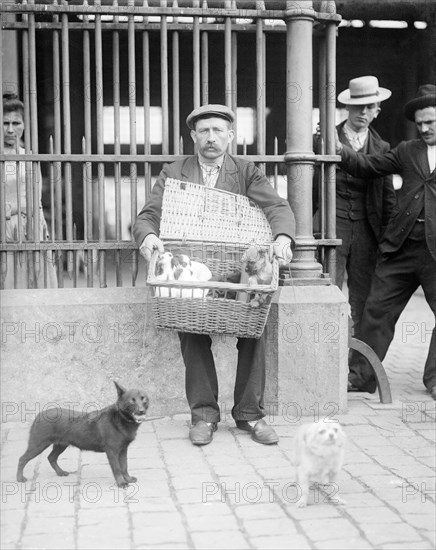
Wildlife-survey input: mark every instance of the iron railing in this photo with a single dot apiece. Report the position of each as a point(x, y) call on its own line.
point(139, 55)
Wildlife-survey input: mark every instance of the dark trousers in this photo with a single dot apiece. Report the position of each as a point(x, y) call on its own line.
point(202, 384)
point(396, 278)
point(357, 256)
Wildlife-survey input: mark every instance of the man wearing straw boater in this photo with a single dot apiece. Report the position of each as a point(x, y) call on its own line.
point(212, 132)
point(363, 206)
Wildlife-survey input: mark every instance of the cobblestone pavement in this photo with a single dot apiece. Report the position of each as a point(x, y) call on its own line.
point(236, 493)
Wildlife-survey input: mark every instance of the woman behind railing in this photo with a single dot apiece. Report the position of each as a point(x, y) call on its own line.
point(22, 272)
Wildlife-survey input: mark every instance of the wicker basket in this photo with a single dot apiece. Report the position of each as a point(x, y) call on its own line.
point(214, 227)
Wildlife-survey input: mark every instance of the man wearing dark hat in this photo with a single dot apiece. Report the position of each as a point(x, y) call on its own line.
point(363, 206)
point(212, 132)
point(408, 245)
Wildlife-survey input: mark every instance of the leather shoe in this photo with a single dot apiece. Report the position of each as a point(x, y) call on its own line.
point(260, 432)
point(201, 433)
point(370, 386)
point(433, 392)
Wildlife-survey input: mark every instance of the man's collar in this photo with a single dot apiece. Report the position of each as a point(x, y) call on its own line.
point(352, 132)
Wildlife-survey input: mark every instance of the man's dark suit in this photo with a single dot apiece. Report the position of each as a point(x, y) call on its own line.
point(363, 208)
point(408, 248)
point(244, 178)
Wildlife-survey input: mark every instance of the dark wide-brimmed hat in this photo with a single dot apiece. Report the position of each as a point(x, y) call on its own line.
point(208, 111)
point(363, 91)
point(425, 97)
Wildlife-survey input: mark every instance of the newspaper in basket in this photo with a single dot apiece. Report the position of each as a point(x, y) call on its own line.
point(214, 227)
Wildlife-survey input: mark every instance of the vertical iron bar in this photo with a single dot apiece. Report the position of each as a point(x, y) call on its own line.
point(204, 68)
point(228, 57)
point(35, 171)
point(235, 89)
point(26, 257)
point(57, 166)
point(100, 146)
point(117, 144)
point(330, 172)
point(260, 85)
point(132, 121)
point(146, 103)
point(164, 79)
point(176, 84)
point(196, 56)
point(321, 145)
point(276, 168)
point(66, 113)
point(88, 198)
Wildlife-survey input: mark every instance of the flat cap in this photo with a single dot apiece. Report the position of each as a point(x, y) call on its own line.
point(208, 111)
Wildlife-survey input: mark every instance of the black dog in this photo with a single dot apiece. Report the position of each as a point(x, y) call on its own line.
point(110, 430)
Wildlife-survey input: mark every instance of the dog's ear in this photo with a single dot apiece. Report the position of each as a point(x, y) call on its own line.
point(120, 389)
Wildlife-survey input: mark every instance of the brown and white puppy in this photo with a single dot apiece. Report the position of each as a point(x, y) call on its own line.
point(318, 457)
point(259, 268)
point(199, 270)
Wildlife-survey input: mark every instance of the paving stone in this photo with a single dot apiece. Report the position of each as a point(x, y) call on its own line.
point(93, 537)
point(207, 509)
point(263, 527)
point(260, 511)
point(216, 523)
point(379, 514)
point(356, 457)
point(356, 543)
point(191, 481)
point(40, 525)
point(322, 529)
point(409, 546)
point(318, 511)
point(214, 540)
point(377, 534)
point(207, 493)
point(48, 541)
point(296, 542)
point(165, 546)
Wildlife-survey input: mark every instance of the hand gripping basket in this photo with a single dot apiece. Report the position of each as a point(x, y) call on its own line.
point(214, 227)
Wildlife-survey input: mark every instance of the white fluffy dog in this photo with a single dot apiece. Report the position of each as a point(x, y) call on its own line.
point(319, 454)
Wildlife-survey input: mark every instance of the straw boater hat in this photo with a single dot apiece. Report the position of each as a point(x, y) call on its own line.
point(207, 111)
point(425, 97)
point(363, 91)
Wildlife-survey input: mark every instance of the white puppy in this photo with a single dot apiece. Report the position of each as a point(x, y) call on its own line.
point(319, 454)
point(164, 272)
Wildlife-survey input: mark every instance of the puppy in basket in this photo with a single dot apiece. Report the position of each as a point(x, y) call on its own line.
point(165, 271)
point(190, 270)
point(318, 457)
point(259, 270)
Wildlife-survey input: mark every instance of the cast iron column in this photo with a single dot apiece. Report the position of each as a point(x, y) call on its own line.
point(299, 155)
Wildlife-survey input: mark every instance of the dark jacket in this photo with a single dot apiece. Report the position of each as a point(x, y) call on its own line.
point(379, 195)
point(418, 192)
point(236, 176)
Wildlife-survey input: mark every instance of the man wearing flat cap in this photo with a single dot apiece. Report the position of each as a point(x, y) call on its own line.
point(363, 206)
point(408, 245)
point(212, 132)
